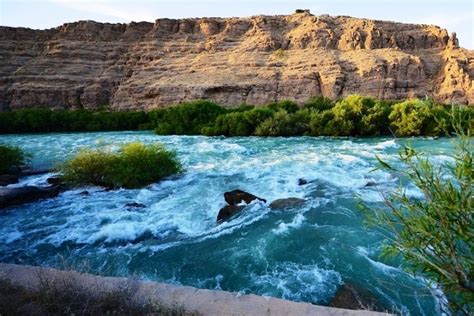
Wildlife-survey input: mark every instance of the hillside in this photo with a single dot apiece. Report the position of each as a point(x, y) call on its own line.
point(251, 60)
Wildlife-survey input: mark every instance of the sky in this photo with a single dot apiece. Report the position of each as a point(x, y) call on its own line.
point(454, 15)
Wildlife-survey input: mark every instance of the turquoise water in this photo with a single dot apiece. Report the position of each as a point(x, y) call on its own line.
point(302, 254)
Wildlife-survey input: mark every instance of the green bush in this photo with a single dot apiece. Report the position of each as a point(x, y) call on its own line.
point(11, 157)
point(186, 118)
point(435, 235)
point(411, 118)
point(285, 124)
point(238, 123)
point(46, 120)
point(352, 116)
point(323, 124)
point(287, 105)
point(242, 108)
point(319, 104)
point(133, 165)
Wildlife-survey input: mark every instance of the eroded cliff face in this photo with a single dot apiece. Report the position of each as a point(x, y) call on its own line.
point(251, 60)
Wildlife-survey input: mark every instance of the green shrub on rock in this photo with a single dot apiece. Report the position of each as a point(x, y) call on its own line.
point(11, 157)
point(133, 165)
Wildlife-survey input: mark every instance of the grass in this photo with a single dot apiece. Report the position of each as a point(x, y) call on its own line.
point(134, 165)
point(65, 296)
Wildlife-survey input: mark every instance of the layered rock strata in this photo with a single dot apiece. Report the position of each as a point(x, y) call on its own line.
point(251, 60)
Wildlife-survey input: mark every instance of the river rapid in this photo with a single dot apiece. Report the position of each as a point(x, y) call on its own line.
point(303, 254)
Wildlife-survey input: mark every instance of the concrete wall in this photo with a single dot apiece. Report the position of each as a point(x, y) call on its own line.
point(204, 302)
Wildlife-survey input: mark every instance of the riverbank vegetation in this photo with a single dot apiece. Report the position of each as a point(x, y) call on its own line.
point(11, 158)
point(45, 121)
point(133, 165)
point(435, 234)
point(352, 116)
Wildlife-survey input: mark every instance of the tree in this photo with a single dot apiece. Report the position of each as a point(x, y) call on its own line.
point(434, 235)
point(411, 118)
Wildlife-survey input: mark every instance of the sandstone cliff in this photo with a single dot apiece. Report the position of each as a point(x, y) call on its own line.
point(253, 60)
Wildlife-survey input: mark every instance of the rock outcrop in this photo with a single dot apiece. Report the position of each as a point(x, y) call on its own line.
point(236, 200)
point(26, 194)
point(236, 197)
point(235, 60)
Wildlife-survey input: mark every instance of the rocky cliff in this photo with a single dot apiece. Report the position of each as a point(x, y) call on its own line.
point(235, 60)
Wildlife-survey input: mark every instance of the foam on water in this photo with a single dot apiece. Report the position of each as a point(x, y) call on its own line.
point(298, 282)
point(284, 227)
point(302, 253)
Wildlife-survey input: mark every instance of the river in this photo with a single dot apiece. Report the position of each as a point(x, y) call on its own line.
point(301, 254)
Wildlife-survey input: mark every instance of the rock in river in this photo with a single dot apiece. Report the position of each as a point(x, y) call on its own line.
point(350, 296)
point(228, 211)
point(235, 197)
point(55, 181)
point(302, 181)
point(285, 203)
point(135, 205)
point(26, 194)
point(6, 179)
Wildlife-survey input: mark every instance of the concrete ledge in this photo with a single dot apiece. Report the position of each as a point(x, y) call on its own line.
point(193, 300)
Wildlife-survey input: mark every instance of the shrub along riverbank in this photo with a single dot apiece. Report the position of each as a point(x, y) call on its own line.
point(352, 116)
point(11, 158)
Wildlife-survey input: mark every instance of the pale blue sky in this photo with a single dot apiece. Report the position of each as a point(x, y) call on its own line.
point(454, 15)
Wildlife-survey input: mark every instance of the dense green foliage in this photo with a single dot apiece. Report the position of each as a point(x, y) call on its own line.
point(186, 118)
point(11, 157)
point(352, 116)
point(435, 235)
point(133, 165)
point(45, 120)
point(238, 123)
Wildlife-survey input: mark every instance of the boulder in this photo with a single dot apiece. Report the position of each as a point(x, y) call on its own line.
point(26, 194)
point(227, 212)
point(286, 203)
point(370, 184)
point(6, 179)
point(238, 196)
point(349, 296)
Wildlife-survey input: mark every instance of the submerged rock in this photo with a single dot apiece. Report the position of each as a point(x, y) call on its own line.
point(26, 194)
point(228, 211)
point(6, 179)
point(302, 181)
point(286, 203)
point(135, 205)
point(238, 196)
point(350, 296)
point(370, 184)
